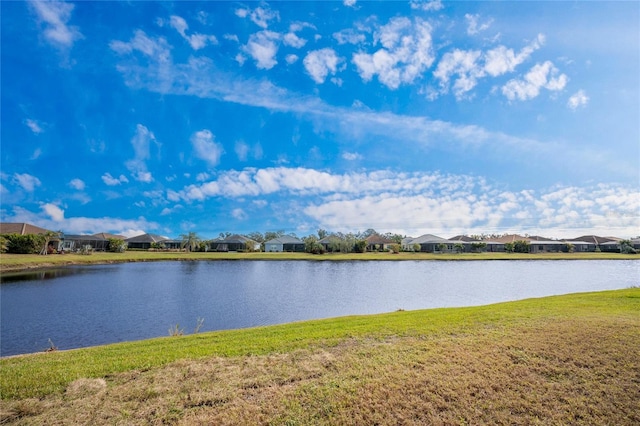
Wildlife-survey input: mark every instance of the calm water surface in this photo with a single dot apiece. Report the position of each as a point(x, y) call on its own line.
point(90, 305)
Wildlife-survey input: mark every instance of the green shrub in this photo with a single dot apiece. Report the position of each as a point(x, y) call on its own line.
point(24, 244)
point(116, 245)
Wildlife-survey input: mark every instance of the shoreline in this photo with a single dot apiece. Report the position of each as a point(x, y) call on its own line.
point(16, 263)
point(546, 341)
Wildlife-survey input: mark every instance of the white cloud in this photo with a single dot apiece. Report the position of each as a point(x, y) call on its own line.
point(291, 39)
point(197, 41)
point(141, 142)
point(427, 6)
point(349, 36)
point(349, 3)
point(156, 50)
point(544, 75)
point(261, 16)
point(239, 214)
point(232, 37)
point(206, 148)
point(462, 64)
point(55, 15)
point(578, 99)
point(319, 63)
point(415, 203)
point(405, 54)
point(351, 156)
point(34, 126)
point(112, 181)
point(26, 181)
point(36, 154)
point(199, 77)
point(473, 24)
point(291, 59)
point(54, 212)
point(466, 67)
point(167, 211)
point(77, 184)
point(263, 47)
point(242, 150)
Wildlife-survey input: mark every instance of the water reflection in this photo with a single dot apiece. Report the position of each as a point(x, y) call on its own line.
point(39, 274)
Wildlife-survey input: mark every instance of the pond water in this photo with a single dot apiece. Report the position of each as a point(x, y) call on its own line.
point(82, 306)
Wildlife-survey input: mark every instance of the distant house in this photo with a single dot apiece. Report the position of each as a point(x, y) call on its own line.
point(494, 246)
point(234, 243)
point(98, 242)
point(284, 243)
point(580, 246)
point(635, 242)
point(172, 244)
point(610, 246)
point(22, 228)
point(331, 243)
point(378, 242)
point(429, 243)
point(144, 241)
point(595, 242)
point(549, 246)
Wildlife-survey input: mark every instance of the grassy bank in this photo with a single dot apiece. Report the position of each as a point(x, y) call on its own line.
point(14, 262)
point(571, 359)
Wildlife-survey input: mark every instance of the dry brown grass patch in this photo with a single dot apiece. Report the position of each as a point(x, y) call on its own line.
point(575, 371)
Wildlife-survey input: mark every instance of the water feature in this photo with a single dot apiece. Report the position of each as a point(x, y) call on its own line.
point(81, 306)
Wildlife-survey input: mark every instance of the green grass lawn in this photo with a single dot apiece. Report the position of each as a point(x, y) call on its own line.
point(572, 359)
point(11, 262)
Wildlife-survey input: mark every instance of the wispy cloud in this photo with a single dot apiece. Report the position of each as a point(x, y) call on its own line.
point(141, 142)
point(474, 26)
point(200, 78)
point(261, 15)
point(112, 181)
point(427, 5)
point(26, 181)
point(578, 99)
point(206, 148)
point(34, 126)
point(196, 41)
point(55, 16)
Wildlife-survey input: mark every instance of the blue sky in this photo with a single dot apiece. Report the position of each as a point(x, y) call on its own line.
point(407, 117)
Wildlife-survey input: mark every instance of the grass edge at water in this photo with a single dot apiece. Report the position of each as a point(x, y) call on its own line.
point(38, 375)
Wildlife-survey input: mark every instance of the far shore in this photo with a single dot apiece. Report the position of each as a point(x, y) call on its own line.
point(25, 262)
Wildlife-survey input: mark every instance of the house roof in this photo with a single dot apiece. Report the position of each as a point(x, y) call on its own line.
point(285, 239)
point(146, 238)
point(330, 238)
point(510, 238)
point(21, 228)
point(429, 239)
point(235, 239)
point(593, 239)
point(106, 236)
point(462, 239)
point(83, 237)
point(378, 239)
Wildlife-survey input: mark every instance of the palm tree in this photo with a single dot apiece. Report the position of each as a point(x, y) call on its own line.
point(48, 236)
point(190, 241)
